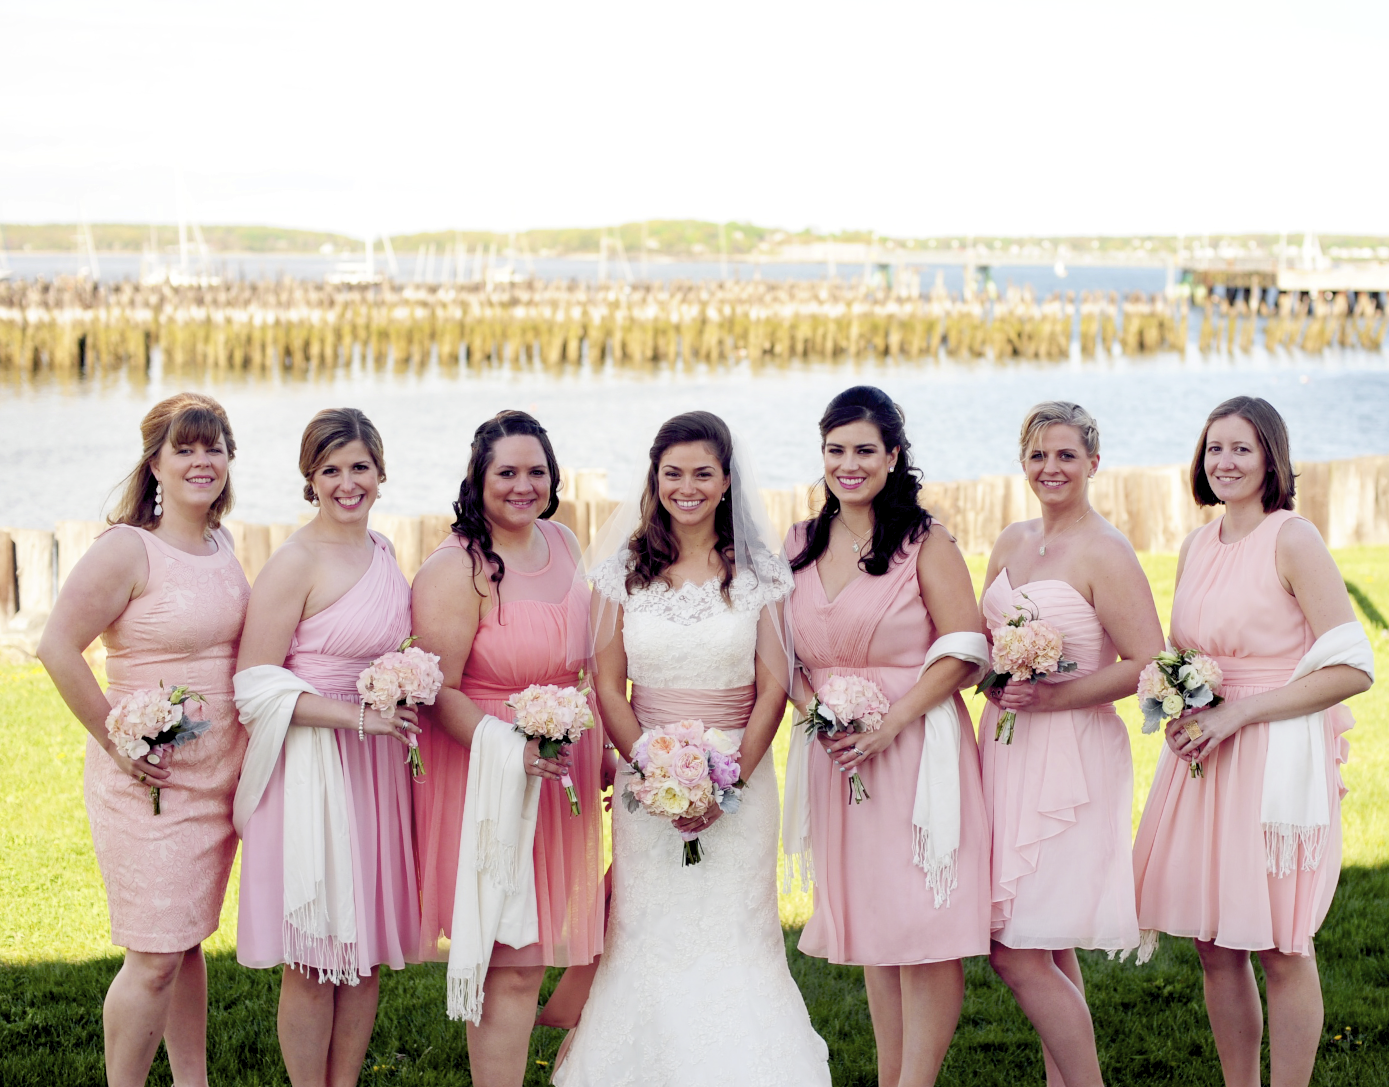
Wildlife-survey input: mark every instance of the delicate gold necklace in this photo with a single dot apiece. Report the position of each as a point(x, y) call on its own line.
point(1043, 549)
point(858, 540)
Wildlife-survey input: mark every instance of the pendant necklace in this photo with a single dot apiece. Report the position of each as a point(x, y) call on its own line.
point(1043, 549)
point(858, 540)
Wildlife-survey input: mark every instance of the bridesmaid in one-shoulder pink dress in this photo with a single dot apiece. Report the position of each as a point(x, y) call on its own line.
point(1255, 589)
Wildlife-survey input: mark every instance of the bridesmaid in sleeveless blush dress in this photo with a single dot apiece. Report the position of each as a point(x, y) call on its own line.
point(167, 596)
point(876, 584)
point(499, 602)
point(1060, 794)
point(328, 603)
point(1256, 590)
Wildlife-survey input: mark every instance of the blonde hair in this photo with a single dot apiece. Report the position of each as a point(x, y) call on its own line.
point(1063, 412)
point(329, 431)
point(182, 419)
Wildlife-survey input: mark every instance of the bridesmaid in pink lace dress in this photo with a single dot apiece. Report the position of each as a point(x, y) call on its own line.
point(1255, 589)
point(497, 602)
point(1060, 795)
point(328, 602)
point(166, 594)
point(877, 582)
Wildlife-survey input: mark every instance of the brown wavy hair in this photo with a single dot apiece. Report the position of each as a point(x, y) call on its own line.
point(329, 431)
point(653, 546)
point(181, 419)
point(1280, 481)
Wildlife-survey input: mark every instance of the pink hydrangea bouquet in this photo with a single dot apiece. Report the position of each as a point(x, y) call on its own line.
point(558, 716)
point(407, 677)
point(143, 723)
point(847, 704)
point(1176, 681)
point(1025, 648)
point(682, 770)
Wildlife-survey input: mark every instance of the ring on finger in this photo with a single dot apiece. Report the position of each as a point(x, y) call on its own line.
point(142, 779)
point(1193, 730)
point(535, 761)
point(858, 751)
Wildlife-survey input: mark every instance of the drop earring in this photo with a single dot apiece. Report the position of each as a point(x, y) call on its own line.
point(158, 499)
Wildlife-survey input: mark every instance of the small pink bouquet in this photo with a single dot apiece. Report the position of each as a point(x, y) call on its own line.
point(682, 770)
point(847, 704)
point(1176, 681)
point(407, 677)
point(558, 716)
point(143, 723)
point(1025, 648)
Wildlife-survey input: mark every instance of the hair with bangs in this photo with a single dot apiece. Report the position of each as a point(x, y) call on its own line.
point(1280, 481)
point(185, 418)
point(329, 431)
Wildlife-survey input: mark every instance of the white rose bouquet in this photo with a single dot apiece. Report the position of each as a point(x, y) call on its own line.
point(682, 770)
point(1177, 681)
point(407, 677)
point(141, 724)
point(847, 704)
point(558, 716)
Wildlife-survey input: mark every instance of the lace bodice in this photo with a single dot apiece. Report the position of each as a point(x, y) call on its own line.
point(690, 637)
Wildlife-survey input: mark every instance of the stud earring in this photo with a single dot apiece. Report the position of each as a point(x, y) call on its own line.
point(314, 500)
point(158, 499)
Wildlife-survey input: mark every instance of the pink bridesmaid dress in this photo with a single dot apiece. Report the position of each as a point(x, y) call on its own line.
point(329, 650)
point(1199, 855)
point(523, 640)
point(872, 904)
point(166, 875)
point(1060, 796)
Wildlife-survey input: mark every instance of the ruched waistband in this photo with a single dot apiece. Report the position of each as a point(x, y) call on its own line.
point(1255, 671)
point(724, 709)
point(495, 692)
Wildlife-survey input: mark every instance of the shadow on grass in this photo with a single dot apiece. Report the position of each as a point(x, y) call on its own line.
point(1150, 1022)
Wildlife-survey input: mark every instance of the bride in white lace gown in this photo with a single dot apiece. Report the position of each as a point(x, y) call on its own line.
point(693, 987)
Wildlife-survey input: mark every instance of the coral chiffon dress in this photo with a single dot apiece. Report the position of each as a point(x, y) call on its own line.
point(525, 639)
point(873, 906)
point(1198, 859)
point(1060, 796)
point(329, 650)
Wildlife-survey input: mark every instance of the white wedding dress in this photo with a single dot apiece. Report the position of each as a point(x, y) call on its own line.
point(693, 987)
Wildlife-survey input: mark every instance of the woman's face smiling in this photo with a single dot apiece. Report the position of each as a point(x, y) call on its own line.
point(857, 462)
point(191, 474)
point(690, 483)
point(517, 486)
point(1235, 462)
point(347, 483)
point(1058, 466)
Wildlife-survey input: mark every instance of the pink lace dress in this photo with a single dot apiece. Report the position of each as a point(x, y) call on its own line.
point(166, 875)
point(872, 904)
point(1060, 796)
point(1199, 854)
point(522, 641)
point(330, 650)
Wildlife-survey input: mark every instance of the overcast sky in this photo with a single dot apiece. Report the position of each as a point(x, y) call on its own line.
point(911, 118)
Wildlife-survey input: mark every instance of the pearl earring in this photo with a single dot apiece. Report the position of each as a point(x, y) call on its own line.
point(158, 499)
point(314, 500)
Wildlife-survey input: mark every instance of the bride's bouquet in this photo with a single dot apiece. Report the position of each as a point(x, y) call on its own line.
point(847, 704)
point(142, 723)
point(558, 716)
point(1177, 681)
point(682, 770)
point(407, 677)
point(1025, 648)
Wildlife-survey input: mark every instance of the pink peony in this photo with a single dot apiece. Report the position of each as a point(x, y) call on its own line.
point(689, 767)
point(662, 749)
point(687, 732)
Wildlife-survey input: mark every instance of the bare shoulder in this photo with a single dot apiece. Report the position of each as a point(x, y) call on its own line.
point(939, 551)
point(1299, 539)
point(292, 563)
point(1111, 550)
point(939, 537)
point(449, 570)
point(118, 554)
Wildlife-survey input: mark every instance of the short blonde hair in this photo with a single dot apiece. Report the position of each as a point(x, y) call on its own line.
point(329, 431)
point(1053, 412)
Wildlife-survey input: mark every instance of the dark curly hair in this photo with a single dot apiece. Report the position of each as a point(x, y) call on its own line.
point(898, 518)
point(470, 521)
point(653, 546)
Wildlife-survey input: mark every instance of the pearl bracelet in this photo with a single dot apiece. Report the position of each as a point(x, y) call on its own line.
point(362, 723)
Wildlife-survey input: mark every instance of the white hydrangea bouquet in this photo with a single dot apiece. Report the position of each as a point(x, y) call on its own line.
point(847, 704)
point(143, 723)
point(1178, 680)
point(1025, 648)
point(557, 716)
point(407, 677)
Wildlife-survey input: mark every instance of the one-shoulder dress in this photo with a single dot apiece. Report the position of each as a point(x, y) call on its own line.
point(873, 906)
point(1199, 860)
point(1060, 796)
point(166, 875)
point(523, 640)
point(329, 650)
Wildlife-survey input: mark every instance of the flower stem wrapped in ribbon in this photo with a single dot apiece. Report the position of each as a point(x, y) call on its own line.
point(1176, 681)
point(683, 770)
point(847, 704)
point(142, 723)
point(407, 677)
point(557, 716)
point(1025, 649)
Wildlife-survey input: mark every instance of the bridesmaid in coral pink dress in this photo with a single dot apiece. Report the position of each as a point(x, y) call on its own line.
point(876, 584)
point(329, 602)
point(1256, 590)
point(497, 601)
point(1060, 795)
point(167, 597)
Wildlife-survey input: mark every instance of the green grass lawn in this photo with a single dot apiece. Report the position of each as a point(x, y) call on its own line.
point(56, 959)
